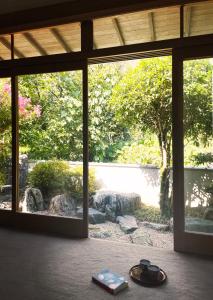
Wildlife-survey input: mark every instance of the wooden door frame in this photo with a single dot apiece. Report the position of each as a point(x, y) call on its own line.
point(185, 241)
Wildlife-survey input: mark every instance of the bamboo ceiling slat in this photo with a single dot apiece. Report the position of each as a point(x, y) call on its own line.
point(201, 19)
point(136, 27)
point(71, 34)
point(5, 53)
point(201, 5)
point(45, 39)
point(164, 10)
point(23, 45)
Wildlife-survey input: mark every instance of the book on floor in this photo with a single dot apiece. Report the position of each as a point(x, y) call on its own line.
point(110, 281)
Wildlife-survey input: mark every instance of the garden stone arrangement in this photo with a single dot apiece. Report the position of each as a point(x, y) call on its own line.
point(5, 193)
point(33, 200)
point(106, 206)
point(115, 204)
point(111, 216)
point(63, 205)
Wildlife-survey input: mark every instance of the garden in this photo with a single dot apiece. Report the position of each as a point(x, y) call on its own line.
point(130, 123)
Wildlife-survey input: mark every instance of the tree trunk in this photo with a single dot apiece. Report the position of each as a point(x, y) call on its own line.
point(165, 198)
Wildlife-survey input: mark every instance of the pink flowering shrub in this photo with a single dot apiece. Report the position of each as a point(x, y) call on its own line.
point(26, 109)
point(27, 113)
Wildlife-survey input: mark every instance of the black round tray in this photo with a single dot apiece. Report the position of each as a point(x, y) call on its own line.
point(136, 274)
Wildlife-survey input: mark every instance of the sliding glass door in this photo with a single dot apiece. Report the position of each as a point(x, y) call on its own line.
point(193, 150)
point(44, 149)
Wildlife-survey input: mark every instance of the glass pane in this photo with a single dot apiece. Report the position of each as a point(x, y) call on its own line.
point(198, 145)
point(46, 41)
point(51, 147)
point(198, 18)
point(5, 144)
point(139, 27)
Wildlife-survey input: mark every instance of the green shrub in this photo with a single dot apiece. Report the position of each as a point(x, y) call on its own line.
point(54, 177)
point(150, 214)
point(74, 181)
point(4, 164)
point(2, 179)
point(49, 177)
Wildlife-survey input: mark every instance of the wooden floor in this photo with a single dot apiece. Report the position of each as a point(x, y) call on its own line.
point(38, 267)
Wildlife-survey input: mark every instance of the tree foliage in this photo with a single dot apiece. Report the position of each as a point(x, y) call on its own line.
point(58, 134)
point(58, 131)
point(143, 99)
point(27, 113)
point(198, 90)
point(106, 134)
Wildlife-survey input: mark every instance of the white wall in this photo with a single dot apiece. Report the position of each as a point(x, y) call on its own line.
point(145, 181)
point(130, 179)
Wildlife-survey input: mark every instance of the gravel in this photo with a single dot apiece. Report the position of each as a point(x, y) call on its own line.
point(143, 235)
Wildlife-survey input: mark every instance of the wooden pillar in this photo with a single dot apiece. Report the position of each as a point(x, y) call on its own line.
point(86, 47)
point(177, 147)
point(15, 146)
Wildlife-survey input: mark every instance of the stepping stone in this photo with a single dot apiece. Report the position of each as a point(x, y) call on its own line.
point(127, 223)
point(95, 216)
point(156, 226)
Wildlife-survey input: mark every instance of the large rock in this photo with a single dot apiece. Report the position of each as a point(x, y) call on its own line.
point(128, 224)
point(33, 200)
point(5, 193)
point(23, 170)
point(6, 189)
point(156, 226)
point(6, 197)
point(63, 205)
point(95, 216)
point(208, 214)
point(115, 204)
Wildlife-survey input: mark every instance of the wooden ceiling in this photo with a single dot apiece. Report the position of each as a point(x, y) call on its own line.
point(45, 41)
point(126, 29)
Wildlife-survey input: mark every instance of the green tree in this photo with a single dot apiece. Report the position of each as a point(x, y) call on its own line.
point(106, 134)
point(143, 99)
point(58, 133)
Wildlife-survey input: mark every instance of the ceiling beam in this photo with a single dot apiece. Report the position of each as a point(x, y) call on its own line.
point(188, 20)
point(7, 44)
point(61, 40)
point(80, 10)
point(34, 43)
point(151, 26)
point(118, 31)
